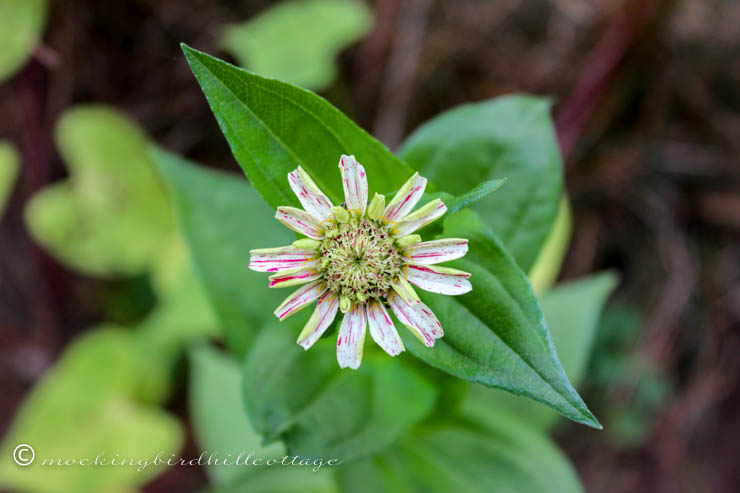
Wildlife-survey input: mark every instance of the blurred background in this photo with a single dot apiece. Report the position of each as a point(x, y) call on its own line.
point(646, 102)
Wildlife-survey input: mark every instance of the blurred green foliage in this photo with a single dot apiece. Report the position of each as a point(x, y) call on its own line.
point(297, 40)
point(21, 22)
point(9, 163)
point(112, 215)
point(217, 411)
point(490, 451)
point(631, 388)
point(99, 398)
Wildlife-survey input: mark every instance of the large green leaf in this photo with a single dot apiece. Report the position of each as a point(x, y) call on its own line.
point(509, 137)
point(222, 218)
point(504, 456)
point(112, 215)
point(322, 411)
point(496, 335)
point(220, 422)
point(272, 127)
point(297, 40)
point(8, 171)
point(21, 22)
point(572, 311)
point(93, 401)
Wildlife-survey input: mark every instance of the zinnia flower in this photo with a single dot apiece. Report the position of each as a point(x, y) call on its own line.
point(357, 258)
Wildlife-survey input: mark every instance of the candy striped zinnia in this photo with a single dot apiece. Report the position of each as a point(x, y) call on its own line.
point(359, 258)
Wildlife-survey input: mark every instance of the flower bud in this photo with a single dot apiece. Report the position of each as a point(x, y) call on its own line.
point(306, 244)
point(377, 207)
point(340, 214)
point(407, 241)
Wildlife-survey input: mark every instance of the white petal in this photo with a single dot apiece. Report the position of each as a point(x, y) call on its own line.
point(281, 258)
point(430, 212)
point(440, 280)
point(293, 277)
point(437, 251)
point(382, 330)
point(354, 181)
point(418, 318)
point(351, 340)
point(299, 299)
point(312, 198)
point(300, 221)
point(321, 319)
point(406, 198)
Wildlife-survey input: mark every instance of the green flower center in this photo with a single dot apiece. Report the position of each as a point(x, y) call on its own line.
point(360, 259)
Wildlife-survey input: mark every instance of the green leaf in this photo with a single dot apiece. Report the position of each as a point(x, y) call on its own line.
point(322, 411)
point(112, 215)
point(272, 127)
point(475, 195)
point(92, 401)
point(509, 136)
point(496, 335)
point(572, 311)
point(222, 218)
point(506, 456)
point(455, 203)
point(279, 479)
point(220, 422)
point(21, 22)
point(183, 314)
point(8, 171)
point(296, 41)
point(545, 270)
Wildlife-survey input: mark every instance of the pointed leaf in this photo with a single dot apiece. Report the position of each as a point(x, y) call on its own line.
point(272, 127)
point(496, 335)
point(572, 311)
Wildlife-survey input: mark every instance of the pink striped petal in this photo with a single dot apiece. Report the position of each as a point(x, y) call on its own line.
point(311, 197)
point(406, 198)
point(418, 318)
point(321, 319)
point(354, 181)
point(351, 340)
point(382, 330)
point(299, 299)
point(281, 258)
point(425, 215)
point(437, 251)
point(300, 222)
point(293, 277)
point(440, 280)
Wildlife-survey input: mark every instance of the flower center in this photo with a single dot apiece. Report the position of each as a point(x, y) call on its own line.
point(360, 260)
